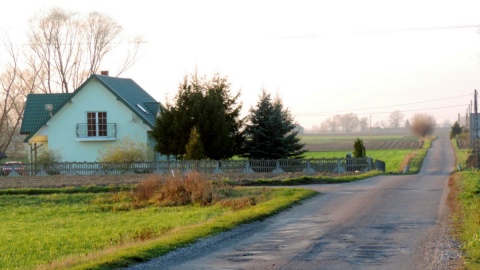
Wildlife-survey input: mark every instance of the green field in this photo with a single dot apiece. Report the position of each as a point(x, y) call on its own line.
point(85, 230)
point(315, 139)
point(392, 158)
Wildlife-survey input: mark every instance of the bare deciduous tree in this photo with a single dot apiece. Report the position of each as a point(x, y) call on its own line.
point(349, 122)
point(395, 119)
point(12, 100)
point(64, 49)
point(364, 124)
point(67, 47)
point(422, 125)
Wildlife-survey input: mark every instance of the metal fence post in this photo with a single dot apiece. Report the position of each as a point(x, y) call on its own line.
point(277, 167)
point(217, 167)
point(309, 169)
point(247, 168)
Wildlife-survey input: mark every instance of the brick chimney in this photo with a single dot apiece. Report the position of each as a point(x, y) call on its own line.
point(104, 72)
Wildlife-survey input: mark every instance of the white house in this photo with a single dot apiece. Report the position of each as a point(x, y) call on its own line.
point(98, 114)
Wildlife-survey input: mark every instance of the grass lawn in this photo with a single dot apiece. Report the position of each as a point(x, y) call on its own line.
point(90, 231)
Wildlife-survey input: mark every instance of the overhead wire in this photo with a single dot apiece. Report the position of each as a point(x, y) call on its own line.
point(387, 31)
point(388, 106)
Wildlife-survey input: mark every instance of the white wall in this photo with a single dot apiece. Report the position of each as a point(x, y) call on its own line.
point(92, 98)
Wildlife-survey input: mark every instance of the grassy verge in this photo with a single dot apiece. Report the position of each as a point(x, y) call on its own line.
point(307, 180)
point(465, 193)
point(460, 154)
point(415, 159)
point(62, 229)
point(467, 215)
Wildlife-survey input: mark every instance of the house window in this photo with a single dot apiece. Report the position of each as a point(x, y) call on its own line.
point(96, 124)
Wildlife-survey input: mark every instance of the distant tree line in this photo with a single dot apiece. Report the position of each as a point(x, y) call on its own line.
point(351, 123)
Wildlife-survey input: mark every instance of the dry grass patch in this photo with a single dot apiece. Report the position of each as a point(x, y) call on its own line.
point(181, 190)
point(166, 190)
point(407, 159)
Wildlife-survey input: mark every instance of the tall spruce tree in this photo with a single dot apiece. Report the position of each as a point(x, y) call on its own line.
point(270, 132)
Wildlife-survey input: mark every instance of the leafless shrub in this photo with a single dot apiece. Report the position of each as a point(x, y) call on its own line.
point(422, 125)
point(174, 190)
point(407, 159)
point(146, 189)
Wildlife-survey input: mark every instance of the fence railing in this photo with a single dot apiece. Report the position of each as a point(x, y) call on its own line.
point(306, 166)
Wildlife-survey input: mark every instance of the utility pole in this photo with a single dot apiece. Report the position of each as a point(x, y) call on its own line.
point(475, 130)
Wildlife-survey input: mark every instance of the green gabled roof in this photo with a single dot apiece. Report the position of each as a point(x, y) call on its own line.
point(36, 115)
point(133, 96)
point(153, 107)
point(126, 90)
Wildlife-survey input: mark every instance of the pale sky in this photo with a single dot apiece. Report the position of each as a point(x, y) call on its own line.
point(321, 57)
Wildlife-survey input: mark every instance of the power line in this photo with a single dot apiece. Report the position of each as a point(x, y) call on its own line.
point(387, 31)
point(372, 113)
point(381, 107)
point(453, 27)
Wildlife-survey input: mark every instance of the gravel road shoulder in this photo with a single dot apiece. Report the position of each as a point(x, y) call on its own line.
point(441, 250)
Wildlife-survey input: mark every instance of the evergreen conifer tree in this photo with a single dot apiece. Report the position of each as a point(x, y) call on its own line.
point(270, 133)
point(194, 148)
point(456, 129)
point(359, 149)
point(207, 105)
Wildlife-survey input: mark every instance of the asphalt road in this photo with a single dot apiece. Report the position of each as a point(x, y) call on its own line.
point(384, 222)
